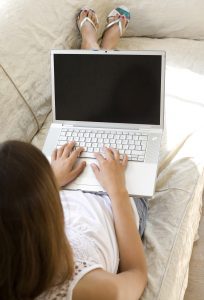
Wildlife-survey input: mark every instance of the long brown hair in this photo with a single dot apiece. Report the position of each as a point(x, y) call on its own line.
point(34, 253)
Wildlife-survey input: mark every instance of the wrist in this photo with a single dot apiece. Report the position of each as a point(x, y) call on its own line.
point(119, 194)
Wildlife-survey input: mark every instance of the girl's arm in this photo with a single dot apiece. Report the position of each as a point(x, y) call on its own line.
point(110, 174)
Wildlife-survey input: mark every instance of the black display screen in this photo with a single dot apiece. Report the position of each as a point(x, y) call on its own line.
point(114, 88)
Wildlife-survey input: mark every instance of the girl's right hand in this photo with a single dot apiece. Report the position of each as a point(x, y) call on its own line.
point(111, 171)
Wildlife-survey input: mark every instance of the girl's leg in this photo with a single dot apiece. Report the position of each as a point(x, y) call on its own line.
point(142, 209)
point(111, 36)
point(88, 32)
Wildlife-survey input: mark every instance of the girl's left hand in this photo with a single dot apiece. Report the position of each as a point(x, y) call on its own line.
point(63, 162)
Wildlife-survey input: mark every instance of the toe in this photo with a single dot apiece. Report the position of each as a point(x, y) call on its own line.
point(124, 21)
point(83, 15)
point(113, 18)
point(92, 16)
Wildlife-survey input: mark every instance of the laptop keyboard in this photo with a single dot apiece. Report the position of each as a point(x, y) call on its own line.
point(134, 144)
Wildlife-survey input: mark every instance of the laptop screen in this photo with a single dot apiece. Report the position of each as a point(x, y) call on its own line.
point(108, 88)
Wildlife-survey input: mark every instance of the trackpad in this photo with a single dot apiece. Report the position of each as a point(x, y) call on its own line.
point(87, 177)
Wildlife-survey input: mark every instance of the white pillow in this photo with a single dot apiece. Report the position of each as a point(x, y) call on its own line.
point(166, 18)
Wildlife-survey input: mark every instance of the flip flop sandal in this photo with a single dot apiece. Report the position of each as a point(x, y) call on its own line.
point(86, 19)
point(122, 11)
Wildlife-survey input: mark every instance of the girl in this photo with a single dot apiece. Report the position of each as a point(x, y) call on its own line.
point(49, 254)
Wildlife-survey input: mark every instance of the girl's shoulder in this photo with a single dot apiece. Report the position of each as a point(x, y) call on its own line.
point(65, 290)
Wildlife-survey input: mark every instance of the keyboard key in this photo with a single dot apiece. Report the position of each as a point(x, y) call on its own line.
point(144, 143)
point(60, 143)
point(135, 137)
point(70, 139)
point(124, 142)
point(135, 152)
point(134, 157)
point(143, 138)
point(122, 137)
point(127, 152)
point(118, 142)
point(113, 145)
point(62, 138)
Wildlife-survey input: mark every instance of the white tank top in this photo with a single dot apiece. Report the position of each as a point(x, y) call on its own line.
point(89, 226)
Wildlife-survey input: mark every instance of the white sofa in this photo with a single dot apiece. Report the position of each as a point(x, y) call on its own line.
point(29, 29)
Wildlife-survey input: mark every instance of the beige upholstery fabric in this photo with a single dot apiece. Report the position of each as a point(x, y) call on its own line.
point(17, 120)
point(39, 138)
point(173, 220)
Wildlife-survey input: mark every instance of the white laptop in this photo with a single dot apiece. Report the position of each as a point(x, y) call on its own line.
point(111, 98)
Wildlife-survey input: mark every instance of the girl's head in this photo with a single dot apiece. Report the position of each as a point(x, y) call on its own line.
point(34, 251)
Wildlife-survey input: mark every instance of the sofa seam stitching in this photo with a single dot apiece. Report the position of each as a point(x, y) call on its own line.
point(21, 95)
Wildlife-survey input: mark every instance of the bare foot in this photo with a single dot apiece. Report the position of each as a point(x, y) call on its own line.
point(112, 35)
point(88, 32)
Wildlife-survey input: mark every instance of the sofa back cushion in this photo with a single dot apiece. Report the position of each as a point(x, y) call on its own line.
point(169, 18)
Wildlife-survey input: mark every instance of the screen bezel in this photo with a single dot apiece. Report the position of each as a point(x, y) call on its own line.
point(106, 124)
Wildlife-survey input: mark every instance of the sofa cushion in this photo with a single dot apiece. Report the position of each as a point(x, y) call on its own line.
point(169, 18)
point(17, 120)
point(28, 31)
